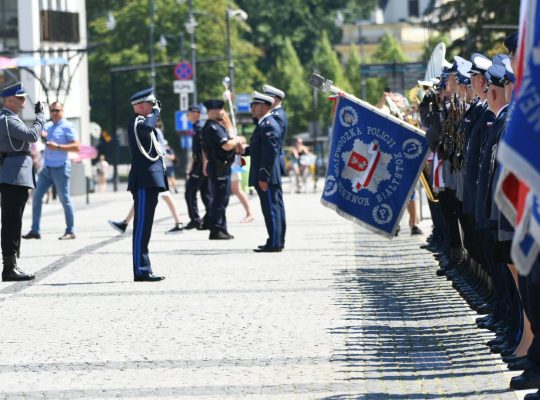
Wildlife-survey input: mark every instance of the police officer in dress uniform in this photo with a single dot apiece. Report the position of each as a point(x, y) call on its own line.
point(281, 118)
point(265, 172)
point(196, 180)
point(16, 174)
point(146, 178)
point(218, 147)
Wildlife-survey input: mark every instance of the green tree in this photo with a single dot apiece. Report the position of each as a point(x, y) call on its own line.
point(389, 50)
point(327, 64)
point(290, 76)
point(302, 21)
point(433, 41)
point(352, 71)
point(473, 16)
point(128, 45)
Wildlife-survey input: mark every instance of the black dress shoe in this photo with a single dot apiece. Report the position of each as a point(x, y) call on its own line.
point(219, 235)
point(193, 225)
point(529, 379)
point(15, 275)
point(532, 396)
point(32, 235)
point(519, 365)
point(268, 249)
point(148, 278)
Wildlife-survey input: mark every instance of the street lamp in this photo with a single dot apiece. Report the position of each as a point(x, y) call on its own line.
point(152, 63)
point(190, 28)
point(228, 15)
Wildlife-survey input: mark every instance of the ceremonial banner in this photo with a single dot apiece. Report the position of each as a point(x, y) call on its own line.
point(375, 162)
point(518, 150)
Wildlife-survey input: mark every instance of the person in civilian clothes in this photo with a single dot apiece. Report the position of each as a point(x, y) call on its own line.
point(16, 175)
point(146, 178)
point(264, 172)
point(61, 139)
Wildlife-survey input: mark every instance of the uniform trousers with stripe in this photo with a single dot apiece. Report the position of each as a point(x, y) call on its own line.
point(273, 217)
point(145, 200)
point(13, 201)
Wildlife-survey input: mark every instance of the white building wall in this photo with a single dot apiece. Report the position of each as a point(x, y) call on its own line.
point(76, 102)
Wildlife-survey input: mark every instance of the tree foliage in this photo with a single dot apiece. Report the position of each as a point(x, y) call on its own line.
point(128, 45)
point(290, 76)
point(473, 16)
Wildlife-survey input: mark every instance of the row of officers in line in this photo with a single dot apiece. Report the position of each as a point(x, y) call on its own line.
point(464, 115)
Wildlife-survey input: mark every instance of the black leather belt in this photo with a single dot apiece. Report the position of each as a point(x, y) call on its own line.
point(16, 153)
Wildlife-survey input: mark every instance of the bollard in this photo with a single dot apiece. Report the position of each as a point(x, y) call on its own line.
point(87, 190)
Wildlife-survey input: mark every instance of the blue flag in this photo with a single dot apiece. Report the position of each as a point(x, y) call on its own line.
point(375, 162)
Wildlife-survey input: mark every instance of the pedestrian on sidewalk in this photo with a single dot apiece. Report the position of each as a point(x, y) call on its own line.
point(265, 171)
point(16, 175)
point(146, 178)
point(236, 185)
point(61, 139)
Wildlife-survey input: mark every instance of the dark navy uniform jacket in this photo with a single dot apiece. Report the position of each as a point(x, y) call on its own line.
point(281, 118)
point(264, 149)
point(219, 160)
point(483, 220)
point(472, 158)
point(145, 173)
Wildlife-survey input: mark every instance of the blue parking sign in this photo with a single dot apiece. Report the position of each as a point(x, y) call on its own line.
point(182, 123)
point(243, 101)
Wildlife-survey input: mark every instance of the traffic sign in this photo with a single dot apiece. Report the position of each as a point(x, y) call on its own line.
point(243, 101)
point(182, 123)
point(183, 87)
point(183, 71)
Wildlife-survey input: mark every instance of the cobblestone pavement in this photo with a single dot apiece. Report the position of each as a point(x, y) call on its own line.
point(341, 314)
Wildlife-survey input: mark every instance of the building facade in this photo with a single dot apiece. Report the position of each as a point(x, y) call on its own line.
point(46, 39)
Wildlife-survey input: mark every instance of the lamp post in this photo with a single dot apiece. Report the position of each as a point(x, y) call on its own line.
point(190, 28)
point(228, 15)
point(152, 61)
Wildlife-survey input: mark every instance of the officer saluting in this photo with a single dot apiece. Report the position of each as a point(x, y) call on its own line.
point(265, 171)
point(146, 178)
point(16, 174)
point(219, 148)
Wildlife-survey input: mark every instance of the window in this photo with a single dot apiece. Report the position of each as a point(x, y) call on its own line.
point(9, 25)
point(414, 8)
point(60, 26)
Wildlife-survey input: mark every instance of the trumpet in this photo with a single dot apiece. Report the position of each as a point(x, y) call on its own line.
point(427, 187)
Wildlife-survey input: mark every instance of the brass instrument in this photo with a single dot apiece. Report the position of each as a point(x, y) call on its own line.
point(427, 187)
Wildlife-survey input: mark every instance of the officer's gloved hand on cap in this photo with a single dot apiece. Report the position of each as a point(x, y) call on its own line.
point(38, 108)
point(157, 105)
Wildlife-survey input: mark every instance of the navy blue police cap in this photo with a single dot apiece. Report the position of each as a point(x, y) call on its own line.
point(143, 96)
point(511, 42)
point(480, 64)
point(462, 79)
point(496, 75)
point(14, 90)
point(194, 108)
point(214, 104)
point(504, 61)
